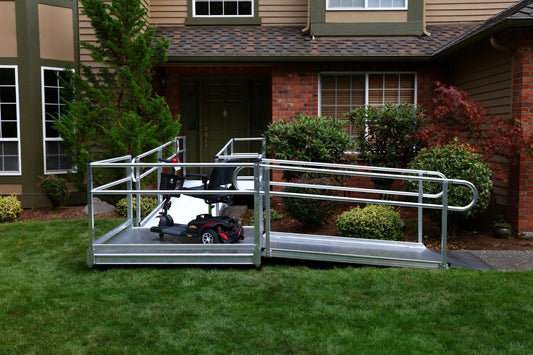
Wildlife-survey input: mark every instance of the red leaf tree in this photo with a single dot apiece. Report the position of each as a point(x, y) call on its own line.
point(455, 117)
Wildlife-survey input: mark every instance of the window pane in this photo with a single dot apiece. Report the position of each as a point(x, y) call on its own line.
point(398, 3)
point(50, 131)
point(9, 130)
point(343, 97)
point(55, 157)
point(407, 81)
point(8, 94)
point(8, 112)
point(358, 98)
point(50, 78)
point(407, 96)
point(328, 97)
point(7, 76)
point(343, 82)
point(202, 8)
point(375, 97)
point(328, 111)
point(328, 82)
point(215, 8)
point(341, 110)
point(11, 163)
point(51, 95)
point(375, 81)
point(245, 8)
point(230, 8)
point(11, 148)
point(391, 96)
point(358, 82)
point(392, 81)
point(51, 110)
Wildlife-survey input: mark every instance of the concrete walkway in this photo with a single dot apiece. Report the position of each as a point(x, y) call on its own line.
point(506, 260)
point(503, 260)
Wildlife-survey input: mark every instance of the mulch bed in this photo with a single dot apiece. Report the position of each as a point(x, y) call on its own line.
point(461, 240)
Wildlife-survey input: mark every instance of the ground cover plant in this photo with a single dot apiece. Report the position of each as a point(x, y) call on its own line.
point(51, 303)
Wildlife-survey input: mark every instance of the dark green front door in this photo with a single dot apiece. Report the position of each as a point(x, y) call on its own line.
point(224, 114)
point(215, 109)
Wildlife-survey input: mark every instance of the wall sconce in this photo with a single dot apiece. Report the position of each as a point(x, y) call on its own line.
point(163, 78)
point(159, 74)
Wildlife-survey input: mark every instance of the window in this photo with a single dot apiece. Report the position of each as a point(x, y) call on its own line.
point(342, 92)
point(55, 160)
point(9, 121)
point(223, 8)
point(367, 4)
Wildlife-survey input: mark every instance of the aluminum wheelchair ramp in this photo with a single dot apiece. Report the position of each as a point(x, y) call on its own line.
point(133, 243)
point(352, 250)
point(139, 246)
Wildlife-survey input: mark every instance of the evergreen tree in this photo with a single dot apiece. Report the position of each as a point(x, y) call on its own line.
point(112, 111)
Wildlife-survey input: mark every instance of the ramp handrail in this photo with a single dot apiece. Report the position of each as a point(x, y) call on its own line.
point(228, 151)
point(337, 170)
point(264, 188)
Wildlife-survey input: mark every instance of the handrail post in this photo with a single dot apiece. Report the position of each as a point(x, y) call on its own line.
point(444, 225)
point(266, 188)
point(420, 209)
point(138, 196)
point(258, 214)
point(90, 211)
point(159, 170)
point(129, 197)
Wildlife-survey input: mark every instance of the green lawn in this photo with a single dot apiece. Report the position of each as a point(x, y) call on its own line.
point(50, 303)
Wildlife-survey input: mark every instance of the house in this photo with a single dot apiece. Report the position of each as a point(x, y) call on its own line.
point(236, 65)
point(37, 40)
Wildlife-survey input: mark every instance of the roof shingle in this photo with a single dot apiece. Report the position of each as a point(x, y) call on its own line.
point(286, 43)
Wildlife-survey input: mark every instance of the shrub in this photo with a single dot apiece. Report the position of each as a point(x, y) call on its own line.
point(371, 222)
point(10, 208)
point(456, 162)
point(310, 211)
point(148, 204)
point(308, 138)
point(55, 189)
point(384, 136)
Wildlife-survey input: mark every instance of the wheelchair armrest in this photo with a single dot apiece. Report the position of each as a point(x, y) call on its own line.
point(203, 176)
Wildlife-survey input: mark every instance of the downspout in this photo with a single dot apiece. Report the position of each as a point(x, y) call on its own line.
point(308, 25)
point(424, 30)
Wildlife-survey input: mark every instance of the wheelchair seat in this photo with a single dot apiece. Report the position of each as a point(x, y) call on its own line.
point(221, 179)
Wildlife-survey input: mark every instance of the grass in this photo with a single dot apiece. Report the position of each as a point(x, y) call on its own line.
point(51, 303)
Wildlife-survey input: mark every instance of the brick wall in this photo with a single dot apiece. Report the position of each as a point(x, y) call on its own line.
point(521, 180)
point(294, 91)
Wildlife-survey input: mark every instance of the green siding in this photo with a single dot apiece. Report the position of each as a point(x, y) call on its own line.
point(29, 66)
point(413, 26)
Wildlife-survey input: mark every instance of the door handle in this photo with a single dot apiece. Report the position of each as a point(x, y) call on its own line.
point(205, 136)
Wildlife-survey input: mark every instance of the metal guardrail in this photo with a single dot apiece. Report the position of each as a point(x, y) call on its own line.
point(136, 170)
point(230, 152)
point(344, 170)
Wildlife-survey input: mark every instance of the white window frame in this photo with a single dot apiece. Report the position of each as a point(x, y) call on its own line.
point(45, 138)
point(224, 16)
point(365, 7)
point(17, 139)
point(367, 75)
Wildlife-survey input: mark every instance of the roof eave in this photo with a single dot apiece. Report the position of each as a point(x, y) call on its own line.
point(303, 58)
point(499, 27)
